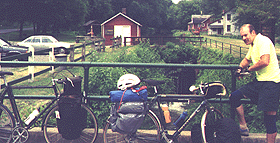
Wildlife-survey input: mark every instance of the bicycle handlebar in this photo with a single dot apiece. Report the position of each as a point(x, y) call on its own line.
point(204, 88)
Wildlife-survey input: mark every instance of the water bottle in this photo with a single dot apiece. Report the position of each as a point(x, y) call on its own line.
point(166, 113)
point(180, 120)
point(32, 116)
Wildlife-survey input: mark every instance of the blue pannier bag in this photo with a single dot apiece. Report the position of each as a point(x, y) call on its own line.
point(129, 95)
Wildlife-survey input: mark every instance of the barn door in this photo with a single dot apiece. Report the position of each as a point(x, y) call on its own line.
point(124, 31)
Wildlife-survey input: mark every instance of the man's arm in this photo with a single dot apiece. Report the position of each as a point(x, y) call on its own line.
point(262, 63)
point(245, 63)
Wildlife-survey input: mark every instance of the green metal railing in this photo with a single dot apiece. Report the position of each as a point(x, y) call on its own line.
point(88, 65)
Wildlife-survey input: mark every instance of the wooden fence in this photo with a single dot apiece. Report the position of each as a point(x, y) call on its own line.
point(117, 42)
point(98, 42)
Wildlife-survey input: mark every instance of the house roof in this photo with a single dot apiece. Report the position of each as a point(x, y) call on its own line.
point(92, 22)
point(216, 20)
point(123, 16)
point(215, 26)
point(199, 18)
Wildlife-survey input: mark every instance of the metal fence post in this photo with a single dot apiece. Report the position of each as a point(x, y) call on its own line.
point(86, 77)
point(233, 88)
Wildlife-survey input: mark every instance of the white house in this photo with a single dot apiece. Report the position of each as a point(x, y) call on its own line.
point(216, 28)
point(225, 25)
point(229, 23)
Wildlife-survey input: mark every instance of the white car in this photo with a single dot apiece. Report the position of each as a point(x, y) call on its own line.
point(41, 42)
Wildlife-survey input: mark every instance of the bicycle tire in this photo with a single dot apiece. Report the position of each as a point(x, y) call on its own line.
point(149, 132)
point(208, 121)
point(7, 124)
point(52, 135)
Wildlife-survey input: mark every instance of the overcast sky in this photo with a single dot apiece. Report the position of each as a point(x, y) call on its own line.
point(176, 1)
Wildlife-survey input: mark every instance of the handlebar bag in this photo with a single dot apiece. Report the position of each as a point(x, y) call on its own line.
point(71, 119)
point(127, 117)
point(129, 95)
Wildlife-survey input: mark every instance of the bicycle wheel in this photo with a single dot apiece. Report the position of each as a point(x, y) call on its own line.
point(149, 132)
point(7, 124)
point(52, 134)
point(208, 121)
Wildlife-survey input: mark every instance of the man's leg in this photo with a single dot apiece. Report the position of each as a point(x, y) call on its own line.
point(270, 123)
point(244, 131)
point(241, 117)
point(235, 102)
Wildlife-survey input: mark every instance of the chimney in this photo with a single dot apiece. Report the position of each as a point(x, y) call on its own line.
point(124, 11)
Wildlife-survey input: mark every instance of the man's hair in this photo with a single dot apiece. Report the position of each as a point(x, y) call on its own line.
point(250, 26)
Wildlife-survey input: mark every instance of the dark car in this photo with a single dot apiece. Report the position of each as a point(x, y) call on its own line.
point(7, 49)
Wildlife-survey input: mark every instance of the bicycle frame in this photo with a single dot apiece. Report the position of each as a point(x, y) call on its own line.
point(8, 90)
point(204, 105)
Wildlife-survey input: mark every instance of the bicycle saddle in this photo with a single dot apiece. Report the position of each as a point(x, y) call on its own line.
point(5, 73)
point(153, 82)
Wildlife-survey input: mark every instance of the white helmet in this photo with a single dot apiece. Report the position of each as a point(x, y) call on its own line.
point(128, 80)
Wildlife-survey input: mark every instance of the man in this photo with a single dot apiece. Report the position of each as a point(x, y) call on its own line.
point(265, 90)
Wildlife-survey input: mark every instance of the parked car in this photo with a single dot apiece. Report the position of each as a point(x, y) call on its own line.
point(41, 42)
point(7, 49)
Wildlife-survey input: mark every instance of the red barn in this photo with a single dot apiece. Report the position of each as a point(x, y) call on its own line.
point(120, 25)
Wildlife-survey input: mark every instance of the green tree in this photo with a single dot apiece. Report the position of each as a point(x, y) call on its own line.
point(16, 11)
point(216, 7)
point(180, 14)
point(258, 12)
point(99, 10)
point(45, 14)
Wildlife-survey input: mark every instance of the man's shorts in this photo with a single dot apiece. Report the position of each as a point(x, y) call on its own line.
point(263, 93)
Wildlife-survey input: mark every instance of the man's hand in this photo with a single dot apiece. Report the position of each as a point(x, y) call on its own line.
point(240, 72)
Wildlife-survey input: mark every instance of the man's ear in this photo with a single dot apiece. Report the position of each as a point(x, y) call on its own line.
point(254, 32)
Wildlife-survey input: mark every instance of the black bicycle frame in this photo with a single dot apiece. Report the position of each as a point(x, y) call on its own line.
point(203, 105)
point(11, 97)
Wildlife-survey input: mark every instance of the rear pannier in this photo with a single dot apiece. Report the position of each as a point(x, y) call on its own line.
point(128, 110)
